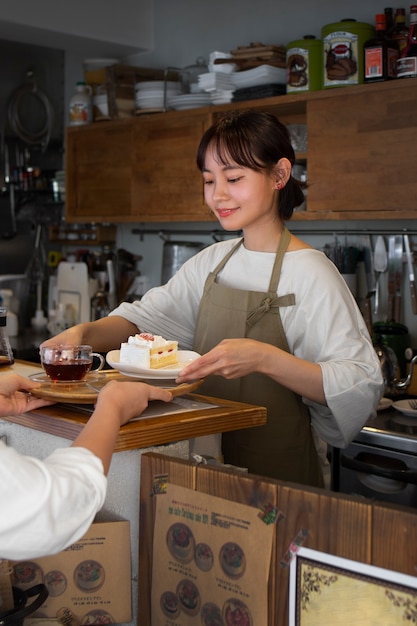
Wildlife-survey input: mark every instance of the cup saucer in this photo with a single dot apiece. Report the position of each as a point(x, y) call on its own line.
point(41, 377)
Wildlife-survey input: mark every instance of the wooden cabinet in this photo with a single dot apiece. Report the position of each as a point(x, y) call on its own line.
point(361, 154)
point(99, 172)
point(166, 184)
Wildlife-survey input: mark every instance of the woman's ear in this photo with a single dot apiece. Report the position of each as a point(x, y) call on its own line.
point(282, 173)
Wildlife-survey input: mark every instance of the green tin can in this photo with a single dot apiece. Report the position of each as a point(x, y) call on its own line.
point(304, 64)
point(343, 44)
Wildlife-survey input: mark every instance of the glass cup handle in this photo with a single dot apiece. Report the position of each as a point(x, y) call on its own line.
point(101, 359)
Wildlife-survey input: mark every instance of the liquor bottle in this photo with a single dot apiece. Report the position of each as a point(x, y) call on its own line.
point(407, 62)
point(389, 18)
point(399, 32)
point(380, 55)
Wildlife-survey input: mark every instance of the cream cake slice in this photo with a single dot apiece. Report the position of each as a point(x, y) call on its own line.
point(148, 351)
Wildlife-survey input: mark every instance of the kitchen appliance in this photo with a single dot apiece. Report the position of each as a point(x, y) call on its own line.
point(75, 289)
point(381, 462)
point(175, 253)
point(395, 336)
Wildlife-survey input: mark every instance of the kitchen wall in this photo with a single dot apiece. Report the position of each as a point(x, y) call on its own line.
point(157, 33)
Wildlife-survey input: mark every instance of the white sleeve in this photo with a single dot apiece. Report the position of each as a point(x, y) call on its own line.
point(171, 310)
point(337, 339)
point(47, 505)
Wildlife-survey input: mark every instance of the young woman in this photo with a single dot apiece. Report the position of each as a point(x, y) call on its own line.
point(272, 317)
point(50, 504)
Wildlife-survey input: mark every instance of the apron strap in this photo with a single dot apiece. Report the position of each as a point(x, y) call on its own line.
point(268, 304)
point(272, 301)
point(281, 250)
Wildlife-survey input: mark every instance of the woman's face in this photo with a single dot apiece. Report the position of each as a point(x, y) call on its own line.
point(239, 196)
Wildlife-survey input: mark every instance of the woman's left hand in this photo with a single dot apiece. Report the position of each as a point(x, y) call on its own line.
point(231, 358)
point(15, 396)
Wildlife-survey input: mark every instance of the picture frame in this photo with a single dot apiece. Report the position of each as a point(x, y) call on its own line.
point(323, 587)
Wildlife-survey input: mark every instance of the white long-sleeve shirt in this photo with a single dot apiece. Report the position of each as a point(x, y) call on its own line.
point(47, 505)
point(325, 326)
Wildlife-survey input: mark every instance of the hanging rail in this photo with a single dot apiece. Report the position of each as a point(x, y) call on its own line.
point(218, 234)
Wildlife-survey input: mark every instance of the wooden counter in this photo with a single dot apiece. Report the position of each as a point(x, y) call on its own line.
point(66, 420)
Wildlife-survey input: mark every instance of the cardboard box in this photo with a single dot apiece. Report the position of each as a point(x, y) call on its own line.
point(90, 580)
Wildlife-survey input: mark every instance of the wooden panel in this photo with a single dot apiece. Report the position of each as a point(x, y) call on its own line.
point(167, 185)
point(362, 150)
point(394, 538)
point(98, 175)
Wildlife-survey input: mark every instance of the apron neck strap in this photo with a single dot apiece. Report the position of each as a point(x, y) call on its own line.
point(281, 250)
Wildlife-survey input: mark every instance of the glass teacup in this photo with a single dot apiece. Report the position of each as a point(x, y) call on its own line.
point(69, 363)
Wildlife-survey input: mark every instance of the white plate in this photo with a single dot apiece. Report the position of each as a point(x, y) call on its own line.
point(404, 407)
point(164, 373)
point(384, 403)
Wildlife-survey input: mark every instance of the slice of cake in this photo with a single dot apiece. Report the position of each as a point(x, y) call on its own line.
point(149, 351)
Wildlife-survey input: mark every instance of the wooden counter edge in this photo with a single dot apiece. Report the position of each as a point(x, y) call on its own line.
point(66, 421)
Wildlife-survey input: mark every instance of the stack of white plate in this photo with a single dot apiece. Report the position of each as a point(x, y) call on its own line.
point(215, 81)
point(221, 96)
point(189, 101)
point(261, 75)
point(150, 94)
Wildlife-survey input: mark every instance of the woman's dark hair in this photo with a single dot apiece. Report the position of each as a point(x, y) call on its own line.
point(257, 140)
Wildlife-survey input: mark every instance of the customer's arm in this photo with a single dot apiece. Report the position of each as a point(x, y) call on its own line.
point(50, 503)
point(117, 403)
point(104, 334)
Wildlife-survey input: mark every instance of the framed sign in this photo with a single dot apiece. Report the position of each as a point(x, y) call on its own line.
point(324, 587)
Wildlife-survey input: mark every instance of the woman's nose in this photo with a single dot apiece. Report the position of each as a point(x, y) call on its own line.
point(220, 191)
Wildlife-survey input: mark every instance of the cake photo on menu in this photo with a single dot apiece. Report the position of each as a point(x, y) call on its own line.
point(189, 596)
point(55, 582)
point(89, 575)
point(97, 616)
point(26, 574)
point(180, 542)
point(148, 351)
point(232, 560)
point(211, 615)
point(170, 604)
point(236, 613)
point(203, 557)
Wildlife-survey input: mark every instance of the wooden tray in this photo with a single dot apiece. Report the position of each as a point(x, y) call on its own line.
point(87, 392)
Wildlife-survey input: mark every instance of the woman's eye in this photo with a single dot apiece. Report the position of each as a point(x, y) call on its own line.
point(234, 180)
point(207, 182)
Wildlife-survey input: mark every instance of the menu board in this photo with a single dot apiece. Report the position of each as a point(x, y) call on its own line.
point(211, 561)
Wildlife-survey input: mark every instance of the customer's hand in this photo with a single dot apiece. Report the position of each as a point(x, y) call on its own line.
point(128, 399)
point(15, 396)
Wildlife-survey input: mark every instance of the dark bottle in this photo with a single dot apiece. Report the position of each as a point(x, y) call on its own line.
point(399, 32)
point(379, 54)
point(389, 18)
point(407, 62)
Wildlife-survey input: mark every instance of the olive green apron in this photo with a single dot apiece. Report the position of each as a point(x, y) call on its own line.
point(284, 447)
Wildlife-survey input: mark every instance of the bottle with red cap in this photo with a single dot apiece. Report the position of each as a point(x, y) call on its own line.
point(380, 55)
point(407, 62)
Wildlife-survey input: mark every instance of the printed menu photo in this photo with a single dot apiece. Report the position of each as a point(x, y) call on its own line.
point(211, 560)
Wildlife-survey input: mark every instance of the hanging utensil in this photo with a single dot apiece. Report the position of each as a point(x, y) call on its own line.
point(413, 296)
point(398, 265)
point(380, 266)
